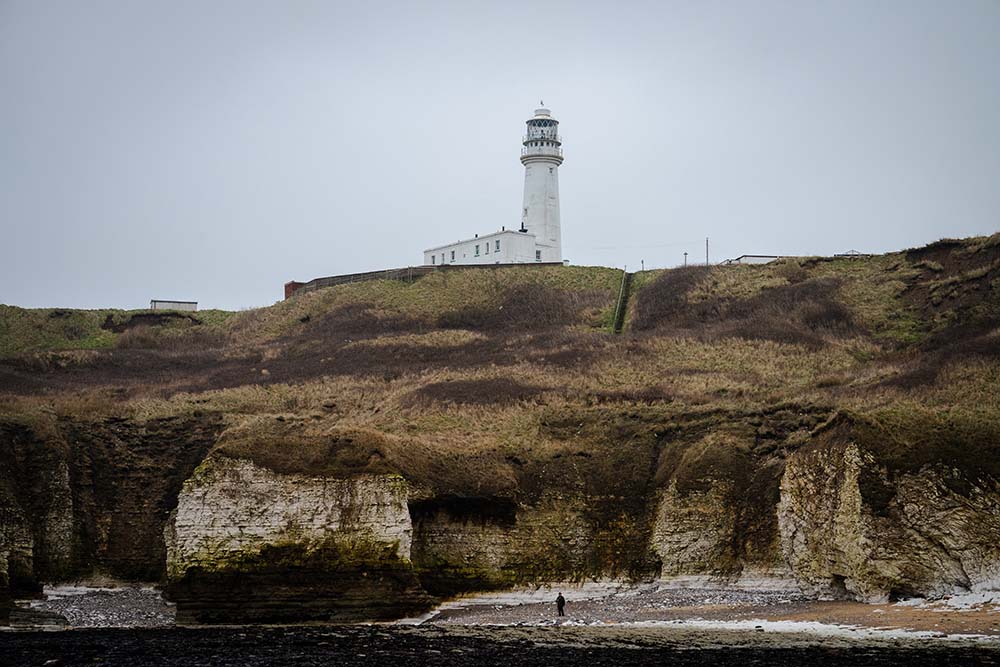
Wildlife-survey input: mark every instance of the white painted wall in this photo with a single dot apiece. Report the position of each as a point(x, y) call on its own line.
point(157, 304)
point(541, 207)
point(541, 157)
point(515, 248)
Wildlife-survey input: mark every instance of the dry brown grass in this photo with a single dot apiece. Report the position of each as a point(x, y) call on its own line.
point(431, 297)
point(365, 357)
point(486, 391)
point(146, 337)
point(805, 312)
point(291, 446)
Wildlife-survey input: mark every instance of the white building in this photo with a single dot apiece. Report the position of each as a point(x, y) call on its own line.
point(539, 238)
point(164, 304)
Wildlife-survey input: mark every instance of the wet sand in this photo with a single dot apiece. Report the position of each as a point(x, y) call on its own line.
point(728, 609)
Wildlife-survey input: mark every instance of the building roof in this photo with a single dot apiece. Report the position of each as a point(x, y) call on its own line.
point(502, 232)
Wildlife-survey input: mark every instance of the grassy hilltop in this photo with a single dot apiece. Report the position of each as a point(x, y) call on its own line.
point(510, 383)
point(910, 327)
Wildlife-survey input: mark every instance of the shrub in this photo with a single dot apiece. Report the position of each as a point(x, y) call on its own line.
point(930, 266)
point(665, 299)
point(527, 307)
point(137, 338)
point(800, 314)
point(194, 339)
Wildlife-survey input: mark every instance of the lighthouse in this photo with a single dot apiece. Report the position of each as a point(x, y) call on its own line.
point(541, 155)
point(538, 240)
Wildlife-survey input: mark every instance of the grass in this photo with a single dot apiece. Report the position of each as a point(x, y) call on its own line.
point(455, 373)
point(907, 438)
point(289, 446)
point(870, 290)
point(435, 296)
point(27, 330)
point(981, 243)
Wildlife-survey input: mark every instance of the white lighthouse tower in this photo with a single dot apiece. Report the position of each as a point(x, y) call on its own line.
point(541, 156)
point(539, 239)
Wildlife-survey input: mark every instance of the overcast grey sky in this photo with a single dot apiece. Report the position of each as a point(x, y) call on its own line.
point(212, 150)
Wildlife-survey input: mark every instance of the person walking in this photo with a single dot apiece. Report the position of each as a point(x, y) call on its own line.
point(561, 604)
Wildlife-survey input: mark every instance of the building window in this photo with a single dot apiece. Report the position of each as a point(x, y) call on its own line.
point(434, 259)
point(442, 258)
point(487, 247)
point(538, 255)
point(453, 255)
point(498, 245)
point(477, 250)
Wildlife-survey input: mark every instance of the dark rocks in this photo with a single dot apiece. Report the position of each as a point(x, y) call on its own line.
point(510, 647)
point(304, 592)
point(30, 617)
point(125, 607)
point(5, 603)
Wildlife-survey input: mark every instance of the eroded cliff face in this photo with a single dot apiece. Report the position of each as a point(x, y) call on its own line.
point(16, 547)
point(715, 519)
point(246, 544)
point(718, 498)
point(469, 544)
point(697, 539)
point(81, 499)
point(850, 527)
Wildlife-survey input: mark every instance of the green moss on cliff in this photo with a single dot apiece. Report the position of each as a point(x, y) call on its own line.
point(335, 553)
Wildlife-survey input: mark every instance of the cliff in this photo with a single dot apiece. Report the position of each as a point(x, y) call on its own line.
point(362, 451)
